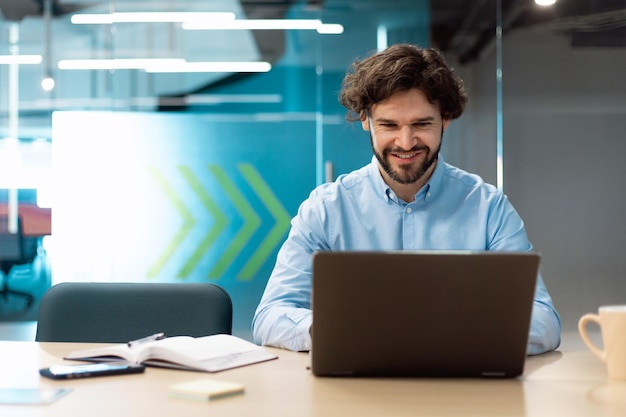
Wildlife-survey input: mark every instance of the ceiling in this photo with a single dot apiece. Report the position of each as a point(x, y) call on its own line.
point(466, 27)
point(462, 27)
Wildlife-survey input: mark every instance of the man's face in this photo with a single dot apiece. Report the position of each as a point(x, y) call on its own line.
point(406, 132)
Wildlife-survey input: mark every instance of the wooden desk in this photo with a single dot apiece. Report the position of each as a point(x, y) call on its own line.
point(556, 384)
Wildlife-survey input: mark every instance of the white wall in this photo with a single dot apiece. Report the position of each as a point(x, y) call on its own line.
point(564, 151)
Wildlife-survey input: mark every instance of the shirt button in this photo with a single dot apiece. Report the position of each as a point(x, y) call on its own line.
point(409, 210)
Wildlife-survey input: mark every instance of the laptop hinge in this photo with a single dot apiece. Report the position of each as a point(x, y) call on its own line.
point(493, 374)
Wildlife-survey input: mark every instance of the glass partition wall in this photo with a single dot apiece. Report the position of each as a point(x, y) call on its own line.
point(176, 139)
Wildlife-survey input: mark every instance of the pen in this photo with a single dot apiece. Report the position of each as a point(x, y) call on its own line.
point(151, 338)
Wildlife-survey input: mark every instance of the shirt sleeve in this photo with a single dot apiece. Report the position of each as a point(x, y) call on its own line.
point(284, 316)
point(509, 234)
point(545, 325)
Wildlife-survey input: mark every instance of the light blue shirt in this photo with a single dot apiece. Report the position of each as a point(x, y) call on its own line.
point(455, 210)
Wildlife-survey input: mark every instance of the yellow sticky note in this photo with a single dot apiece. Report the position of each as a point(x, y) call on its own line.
point(205, 389)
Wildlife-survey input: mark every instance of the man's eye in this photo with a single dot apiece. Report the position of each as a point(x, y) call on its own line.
point(422, 125)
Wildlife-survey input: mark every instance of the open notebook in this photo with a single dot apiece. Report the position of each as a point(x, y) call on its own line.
point(430, 314)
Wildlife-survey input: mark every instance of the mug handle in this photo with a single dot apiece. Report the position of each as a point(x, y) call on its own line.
point(582, 329)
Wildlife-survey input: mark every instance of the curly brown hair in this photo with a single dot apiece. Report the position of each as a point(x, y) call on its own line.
point(399, 68)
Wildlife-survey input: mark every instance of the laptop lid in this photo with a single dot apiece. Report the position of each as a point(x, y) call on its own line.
point(430, 314)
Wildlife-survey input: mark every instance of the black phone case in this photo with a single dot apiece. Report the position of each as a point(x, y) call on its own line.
point(82, 371)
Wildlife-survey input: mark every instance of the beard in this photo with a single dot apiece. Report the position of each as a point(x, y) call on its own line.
point(407, 173)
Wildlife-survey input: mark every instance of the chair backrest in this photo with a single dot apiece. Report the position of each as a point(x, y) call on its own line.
point(120, 312)
point(11, 246)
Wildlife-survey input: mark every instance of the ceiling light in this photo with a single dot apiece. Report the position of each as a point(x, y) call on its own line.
point(211, 67)
point(330, 29)
point(20, 59)
point(171, 65)
point(206, 21)
point(265, 24)
point(112, 64)
point(47, 84)
point(255, 24)
point(149, 17)
point(545, 2)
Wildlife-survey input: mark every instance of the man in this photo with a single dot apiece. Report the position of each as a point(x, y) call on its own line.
point(408, 197)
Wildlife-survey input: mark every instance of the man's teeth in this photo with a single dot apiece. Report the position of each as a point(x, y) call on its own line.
point(406, 156)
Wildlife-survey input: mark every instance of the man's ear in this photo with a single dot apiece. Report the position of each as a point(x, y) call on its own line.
point(446, 123)
point(365, 122)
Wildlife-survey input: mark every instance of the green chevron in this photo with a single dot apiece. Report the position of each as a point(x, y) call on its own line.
point(251, 222)
point(278, 212)
point(179, 236)
point(220, 222)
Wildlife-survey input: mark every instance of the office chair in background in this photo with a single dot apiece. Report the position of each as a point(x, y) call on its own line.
point(120, 312)
point(15, 250)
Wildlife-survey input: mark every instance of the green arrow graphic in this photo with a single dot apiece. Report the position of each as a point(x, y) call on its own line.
point(251, 222)
point(278, 212)
point(220, 222)
point(179, 236)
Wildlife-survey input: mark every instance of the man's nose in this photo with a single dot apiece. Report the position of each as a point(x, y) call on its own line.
point(406, 138)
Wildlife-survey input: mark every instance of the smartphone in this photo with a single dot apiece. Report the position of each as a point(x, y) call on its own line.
point(91, 370)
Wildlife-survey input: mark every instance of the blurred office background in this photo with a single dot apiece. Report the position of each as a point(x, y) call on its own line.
point(177, 147)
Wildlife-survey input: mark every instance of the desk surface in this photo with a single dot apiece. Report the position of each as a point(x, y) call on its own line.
point(555, 384)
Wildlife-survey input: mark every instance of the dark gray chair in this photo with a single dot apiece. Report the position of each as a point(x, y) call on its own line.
point(120, 312)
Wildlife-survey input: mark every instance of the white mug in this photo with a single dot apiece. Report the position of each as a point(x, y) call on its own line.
point(612, 322)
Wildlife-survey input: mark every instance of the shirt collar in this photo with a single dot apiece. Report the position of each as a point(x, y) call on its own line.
point(426, 191)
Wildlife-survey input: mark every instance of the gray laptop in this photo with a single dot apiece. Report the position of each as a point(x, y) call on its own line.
point(426, 314)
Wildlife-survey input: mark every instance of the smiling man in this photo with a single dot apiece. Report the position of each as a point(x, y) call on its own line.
point(406, 132)
point(406, 198)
